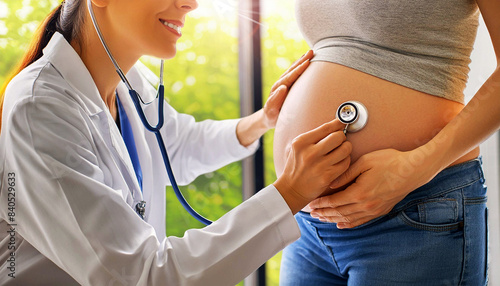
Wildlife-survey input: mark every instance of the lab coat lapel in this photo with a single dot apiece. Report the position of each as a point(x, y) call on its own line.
point(73, 70)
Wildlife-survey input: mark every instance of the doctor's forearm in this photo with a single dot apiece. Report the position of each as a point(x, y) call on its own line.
point(251, 128)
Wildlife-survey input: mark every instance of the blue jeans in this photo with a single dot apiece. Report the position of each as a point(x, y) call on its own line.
point(436, 236)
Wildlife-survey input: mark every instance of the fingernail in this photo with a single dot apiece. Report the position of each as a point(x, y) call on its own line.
point(340, 226)
point(333, 185)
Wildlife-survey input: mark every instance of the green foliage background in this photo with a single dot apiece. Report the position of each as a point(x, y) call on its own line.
point(201, 80)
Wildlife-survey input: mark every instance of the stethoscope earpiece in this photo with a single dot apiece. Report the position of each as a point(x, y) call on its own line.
point(353, 114)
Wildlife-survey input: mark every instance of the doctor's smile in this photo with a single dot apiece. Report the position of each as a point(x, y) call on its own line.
point(175, 28)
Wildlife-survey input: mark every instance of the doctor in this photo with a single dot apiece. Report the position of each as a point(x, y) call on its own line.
point(68, 184)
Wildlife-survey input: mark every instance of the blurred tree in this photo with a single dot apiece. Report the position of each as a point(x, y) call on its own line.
point(18, 21)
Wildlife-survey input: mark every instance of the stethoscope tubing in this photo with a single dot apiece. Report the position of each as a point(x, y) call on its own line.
point(173, 182)
point(166, 160)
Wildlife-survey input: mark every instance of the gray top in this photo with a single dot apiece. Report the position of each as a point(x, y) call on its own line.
point(423, 45)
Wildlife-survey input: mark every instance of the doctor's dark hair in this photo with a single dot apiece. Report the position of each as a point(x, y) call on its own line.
point(67, 19)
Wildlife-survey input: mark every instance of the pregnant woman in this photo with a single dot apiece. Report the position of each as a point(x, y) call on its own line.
point(411, 209)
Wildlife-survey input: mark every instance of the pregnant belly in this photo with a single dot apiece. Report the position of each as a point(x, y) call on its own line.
point(399, 117)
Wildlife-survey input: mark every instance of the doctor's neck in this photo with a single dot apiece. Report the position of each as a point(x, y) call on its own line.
point(99, 65)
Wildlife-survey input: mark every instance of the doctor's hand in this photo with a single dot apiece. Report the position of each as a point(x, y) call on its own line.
point(280, 89)
point(314, 160)
point(254, 126)
point(378, 181)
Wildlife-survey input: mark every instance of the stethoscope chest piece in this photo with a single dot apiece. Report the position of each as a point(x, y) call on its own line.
point(353, 114)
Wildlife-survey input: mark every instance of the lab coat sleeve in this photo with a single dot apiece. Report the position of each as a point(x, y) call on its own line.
point(200, 147)
point(87, 229)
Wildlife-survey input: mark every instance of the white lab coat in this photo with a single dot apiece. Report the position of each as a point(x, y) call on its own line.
point(75, 189)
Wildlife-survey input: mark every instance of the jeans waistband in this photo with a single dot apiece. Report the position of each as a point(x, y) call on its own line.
point(448, 180)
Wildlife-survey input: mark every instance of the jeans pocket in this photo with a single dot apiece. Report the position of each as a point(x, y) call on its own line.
point(436, 214)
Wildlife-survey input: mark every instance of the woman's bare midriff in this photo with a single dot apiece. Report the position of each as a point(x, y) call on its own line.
point(399, 117)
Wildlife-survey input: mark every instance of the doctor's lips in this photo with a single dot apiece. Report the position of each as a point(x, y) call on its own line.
point(174, 25)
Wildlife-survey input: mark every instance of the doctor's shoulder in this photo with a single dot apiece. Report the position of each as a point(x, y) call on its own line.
point(40, 78)
point(38, 84)
point(38, 101)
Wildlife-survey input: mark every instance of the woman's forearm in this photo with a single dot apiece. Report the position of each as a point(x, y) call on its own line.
point(475, 123)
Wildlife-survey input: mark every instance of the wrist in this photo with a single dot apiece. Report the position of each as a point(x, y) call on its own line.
point(429, 159)
point(260, 123)
point(293, 199)
point(251, 128)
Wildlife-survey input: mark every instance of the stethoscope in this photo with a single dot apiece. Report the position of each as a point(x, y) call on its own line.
point(353, 114)
point(140, 207)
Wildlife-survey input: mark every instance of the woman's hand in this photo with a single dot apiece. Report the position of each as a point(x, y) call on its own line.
point(381, 180)
point(314, 160)
point(254, 126)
